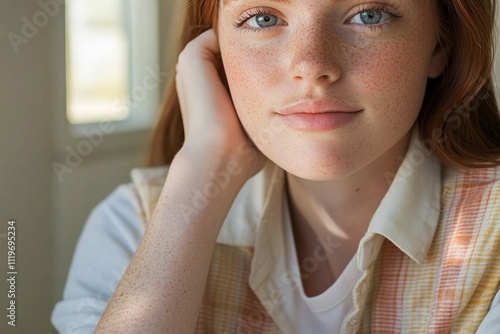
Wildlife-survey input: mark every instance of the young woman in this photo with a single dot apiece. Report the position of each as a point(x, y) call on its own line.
point(325, 167)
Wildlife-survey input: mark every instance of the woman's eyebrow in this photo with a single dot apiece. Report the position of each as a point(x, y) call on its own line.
point(231, 2)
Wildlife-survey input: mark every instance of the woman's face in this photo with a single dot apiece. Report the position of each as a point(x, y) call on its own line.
point(326, 87)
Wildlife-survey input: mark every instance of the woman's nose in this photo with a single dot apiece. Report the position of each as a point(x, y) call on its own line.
point(315, 57)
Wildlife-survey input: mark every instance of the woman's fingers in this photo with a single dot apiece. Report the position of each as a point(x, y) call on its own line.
point(200, 89)
point(210, 120)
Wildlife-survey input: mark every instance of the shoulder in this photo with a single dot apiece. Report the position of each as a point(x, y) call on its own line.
point(472, 177)
point(119, 215)
point(111, 232)
point(473, 182)
point(472, 196)
point(108, 241)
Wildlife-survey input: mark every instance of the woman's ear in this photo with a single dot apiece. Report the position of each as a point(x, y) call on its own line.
point(438, 61)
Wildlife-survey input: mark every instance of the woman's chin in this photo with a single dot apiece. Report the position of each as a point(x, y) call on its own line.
point(325, 171)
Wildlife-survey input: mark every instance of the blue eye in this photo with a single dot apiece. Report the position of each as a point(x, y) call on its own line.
point(370, 17)
point(258, 19)
point(263, 21)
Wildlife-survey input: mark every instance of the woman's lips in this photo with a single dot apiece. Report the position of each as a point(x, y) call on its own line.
point(317, 115)
point(318, 122)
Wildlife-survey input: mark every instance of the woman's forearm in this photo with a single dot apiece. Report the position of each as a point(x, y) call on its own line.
point(162, 288)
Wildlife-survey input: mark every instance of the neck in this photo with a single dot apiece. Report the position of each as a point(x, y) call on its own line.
point(342, 209)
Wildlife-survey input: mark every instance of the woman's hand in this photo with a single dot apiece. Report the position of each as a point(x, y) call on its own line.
point(211, 125)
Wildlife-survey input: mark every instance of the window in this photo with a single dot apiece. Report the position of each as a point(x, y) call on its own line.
point(112, 58)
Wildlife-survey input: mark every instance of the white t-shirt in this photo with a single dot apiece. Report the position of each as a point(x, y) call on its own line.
point(325, 312)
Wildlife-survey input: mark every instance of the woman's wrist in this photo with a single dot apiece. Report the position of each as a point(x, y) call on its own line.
point(225, 168)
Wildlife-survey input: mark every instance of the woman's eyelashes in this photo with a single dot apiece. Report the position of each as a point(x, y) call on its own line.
point(373, 16)
point(258, 19)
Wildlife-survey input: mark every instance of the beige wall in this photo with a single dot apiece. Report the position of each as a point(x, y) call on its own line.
point(25, 177)
point(33, 133)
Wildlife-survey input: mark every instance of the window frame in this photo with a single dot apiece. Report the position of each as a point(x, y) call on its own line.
point(142, 20)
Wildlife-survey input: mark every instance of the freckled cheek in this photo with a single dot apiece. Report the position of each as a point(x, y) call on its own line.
point(251, 75)
point(394, 79)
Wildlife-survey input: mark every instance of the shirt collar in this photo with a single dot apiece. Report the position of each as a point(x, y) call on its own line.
point(409, 212)
point(269, 242)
